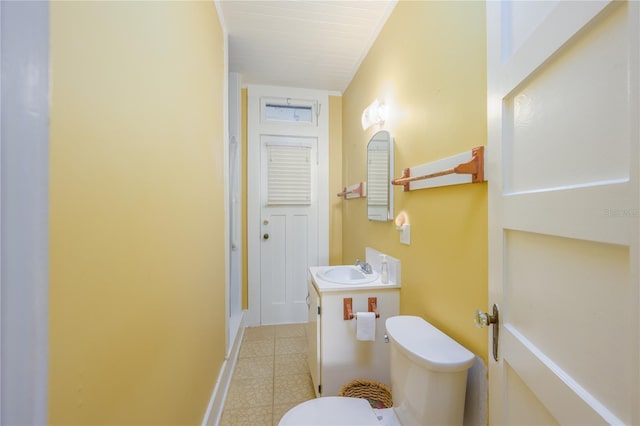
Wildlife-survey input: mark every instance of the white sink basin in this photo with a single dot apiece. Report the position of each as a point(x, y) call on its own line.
point(346, 274)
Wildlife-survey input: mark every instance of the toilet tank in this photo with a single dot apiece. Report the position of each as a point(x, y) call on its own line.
point(428, 373)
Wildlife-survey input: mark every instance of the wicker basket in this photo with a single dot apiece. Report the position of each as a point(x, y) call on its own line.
point(378, 394)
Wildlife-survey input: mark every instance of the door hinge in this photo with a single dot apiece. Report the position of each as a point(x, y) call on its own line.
point(318, 310)
point(319, 389)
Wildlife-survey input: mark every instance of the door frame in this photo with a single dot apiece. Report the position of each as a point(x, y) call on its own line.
point(24, 199)
point(235, 247)
point(254, 129)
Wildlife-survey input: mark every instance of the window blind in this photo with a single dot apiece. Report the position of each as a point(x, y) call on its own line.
point(377, 187)
point(288, 175)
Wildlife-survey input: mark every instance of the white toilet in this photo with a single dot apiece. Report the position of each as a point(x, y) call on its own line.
point(428, 381)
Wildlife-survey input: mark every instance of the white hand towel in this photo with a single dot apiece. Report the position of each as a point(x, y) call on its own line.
point(366, 326)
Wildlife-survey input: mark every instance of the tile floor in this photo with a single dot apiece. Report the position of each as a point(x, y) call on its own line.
point(270, 377)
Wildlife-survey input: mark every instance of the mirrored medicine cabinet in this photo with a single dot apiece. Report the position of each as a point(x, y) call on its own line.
point(379, 175)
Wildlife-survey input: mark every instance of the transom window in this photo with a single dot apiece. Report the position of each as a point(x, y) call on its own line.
point(287, 110)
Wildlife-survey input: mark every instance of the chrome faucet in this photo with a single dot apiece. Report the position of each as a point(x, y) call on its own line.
point(366, 268)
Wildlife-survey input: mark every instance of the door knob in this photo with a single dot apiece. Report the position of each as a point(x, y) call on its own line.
point(483, 319)
point(265, 237)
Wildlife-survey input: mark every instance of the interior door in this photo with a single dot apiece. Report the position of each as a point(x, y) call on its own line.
point(563, 89)
point(289, 225)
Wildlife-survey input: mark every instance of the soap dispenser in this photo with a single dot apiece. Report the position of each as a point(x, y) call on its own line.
point(384, 269)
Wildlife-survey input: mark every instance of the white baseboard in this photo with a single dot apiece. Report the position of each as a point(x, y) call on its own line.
point(219, 395)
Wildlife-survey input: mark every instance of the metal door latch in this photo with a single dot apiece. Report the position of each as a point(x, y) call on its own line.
point(483, 319)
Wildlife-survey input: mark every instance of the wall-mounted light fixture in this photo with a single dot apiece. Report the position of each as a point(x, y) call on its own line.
point(402, 225)
point(374, 114)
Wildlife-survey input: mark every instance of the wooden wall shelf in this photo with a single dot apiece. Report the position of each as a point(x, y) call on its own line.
point(457, 170)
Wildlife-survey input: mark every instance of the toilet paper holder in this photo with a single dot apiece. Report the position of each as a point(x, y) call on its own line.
point(347, 307)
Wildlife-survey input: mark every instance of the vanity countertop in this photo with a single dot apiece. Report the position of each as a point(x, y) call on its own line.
point(326, 286)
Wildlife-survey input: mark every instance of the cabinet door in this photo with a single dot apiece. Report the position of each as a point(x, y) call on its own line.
point(313, 337)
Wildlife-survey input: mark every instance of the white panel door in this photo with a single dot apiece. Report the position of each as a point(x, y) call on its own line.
point(289, 226)
point(563, 88)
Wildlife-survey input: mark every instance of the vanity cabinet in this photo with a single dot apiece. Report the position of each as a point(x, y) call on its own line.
point(334, 356)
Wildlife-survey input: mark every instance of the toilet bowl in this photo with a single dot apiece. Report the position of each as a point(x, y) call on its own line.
point(428, 381)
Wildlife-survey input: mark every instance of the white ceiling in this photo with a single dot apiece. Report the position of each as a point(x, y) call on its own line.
point(301, 43)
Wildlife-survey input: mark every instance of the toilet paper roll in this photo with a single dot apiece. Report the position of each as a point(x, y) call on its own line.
point(365, 326)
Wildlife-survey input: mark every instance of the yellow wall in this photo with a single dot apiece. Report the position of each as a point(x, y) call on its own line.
point(335, 180)
point(137, 312)
point(428, 65)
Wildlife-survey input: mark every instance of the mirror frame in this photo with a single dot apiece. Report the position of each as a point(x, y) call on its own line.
point(390, 213)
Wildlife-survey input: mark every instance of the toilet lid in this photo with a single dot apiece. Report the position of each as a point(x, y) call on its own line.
point(427, 345)
point(331, 410)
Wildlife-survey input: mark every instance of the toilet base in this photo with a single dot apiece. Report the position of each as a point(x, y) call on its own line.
point(386, 417)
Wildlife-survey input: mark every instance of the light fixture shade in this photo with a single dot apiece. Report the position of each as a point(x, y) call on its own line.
point(373, 114)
